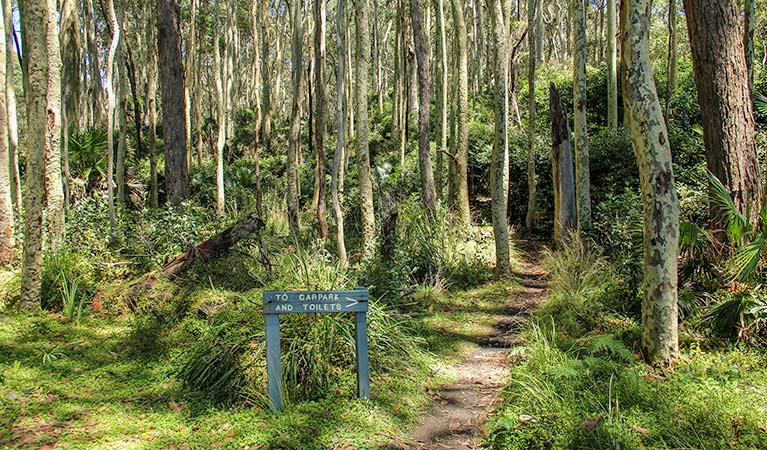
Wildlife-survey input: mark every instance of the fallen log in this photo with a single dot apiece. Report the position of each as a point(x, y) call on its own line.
point(212, 248)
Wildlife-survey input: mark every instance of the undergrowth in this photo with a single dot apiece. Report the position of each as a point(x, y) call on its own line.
point(581, 382)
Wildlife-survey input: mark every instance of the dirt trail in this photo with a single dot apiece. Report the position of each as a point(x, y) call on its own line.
point(457, 417)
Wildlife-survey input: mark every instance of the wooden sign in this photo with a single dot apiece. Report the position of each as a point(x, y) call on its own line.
point(314, 302)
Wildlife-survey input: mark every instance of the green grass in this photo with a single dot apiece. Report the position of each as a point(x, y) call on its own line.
point(581, 384)
point(112, 380)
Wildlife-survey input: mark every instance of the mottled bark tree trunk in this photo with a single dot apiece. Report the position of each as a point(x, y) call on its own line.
point(338, 159)
point(721, 77)
point(319, 113)
point(649, 138)
point(462, 113)
point(172, 82)
point(35, 23)
point(295, 121)
point(7, 241)
point(428, 193)
point(499, 166)
point(563, 178)
point(582, 178)
point(54, 186)
point(363, 156)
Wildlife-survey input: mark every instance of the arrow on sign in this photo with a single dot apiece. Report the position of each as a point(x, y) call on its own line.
point(353, 302)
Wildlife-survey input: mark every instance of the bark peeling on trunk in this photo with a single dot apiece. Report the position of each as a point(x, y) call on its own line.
point(659, 198)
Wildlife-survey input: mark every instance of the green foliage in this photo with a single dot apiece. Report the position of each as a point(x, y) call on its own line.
point(72, 302)
point(436, 253)
point(87, 156)
point(561, 397)
point(69, 280)
point(585, 287)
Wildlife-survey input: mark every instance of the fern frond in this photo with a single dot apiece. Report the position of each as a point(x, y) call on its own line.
point(605, 343)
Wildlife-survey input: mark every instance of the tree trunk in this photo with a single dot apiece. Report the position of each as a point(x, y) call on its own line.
point(532, 43)
point(442, 87)
point(295, 121)
point(218, 245)
point(338, 159)
point(152, 109)
point(398, 123)
point(612, 66)
point(499, 166)
point(188, 86)
point(462, 114)
point(748, 39)
point(35, 23)
point(172, 81)
point(218, 67)
point(428, 193)
point(256, 80)
point(10, 95)
point(659, 199)
point(7, 241)
point(363, 155)
point(319, 113)
point(97, 116)
point(582, 180)
point(54, 186)
point(563, 178)
point(70, 76)
point(266, 81)
point(115, 42)
point(721, 76)
point(401, 83)
point(122, 121)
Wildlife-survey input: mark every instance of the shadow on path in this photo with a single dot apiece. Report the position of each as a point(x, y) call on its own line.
point(458, 414)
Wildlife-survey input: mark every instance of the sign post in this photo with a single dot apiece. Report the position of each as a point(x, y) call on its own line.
point(314, 302)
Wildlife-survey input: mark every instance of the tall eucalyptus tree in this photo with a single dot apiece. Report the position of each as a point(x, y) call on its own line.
point(660, 205)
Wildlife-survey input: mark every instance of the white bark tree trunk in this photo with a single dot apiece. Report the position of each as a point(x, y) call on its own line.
point(649, 138)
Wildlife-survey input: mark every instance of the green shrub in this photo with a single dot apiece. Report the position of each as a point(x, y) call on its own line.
point(69, 280)
point(584, 287)
point(223, 357)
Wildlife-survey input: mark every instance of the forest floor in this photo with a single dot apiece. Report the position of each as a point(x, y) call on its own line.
point(82, 385)
point(459, 411)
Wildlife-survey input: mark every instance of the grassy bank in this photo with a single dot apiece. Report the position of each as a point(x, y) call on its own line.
point(580, 381)
point(186, 368)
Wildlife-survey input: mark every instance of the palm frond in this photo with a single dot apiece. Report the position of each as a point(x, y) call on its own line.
point(746, 260)
point(760, 103)
point(736, 223)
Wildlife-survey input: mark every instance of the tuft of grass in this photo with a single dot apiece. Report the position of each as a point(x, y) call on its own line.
point(581, 384)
